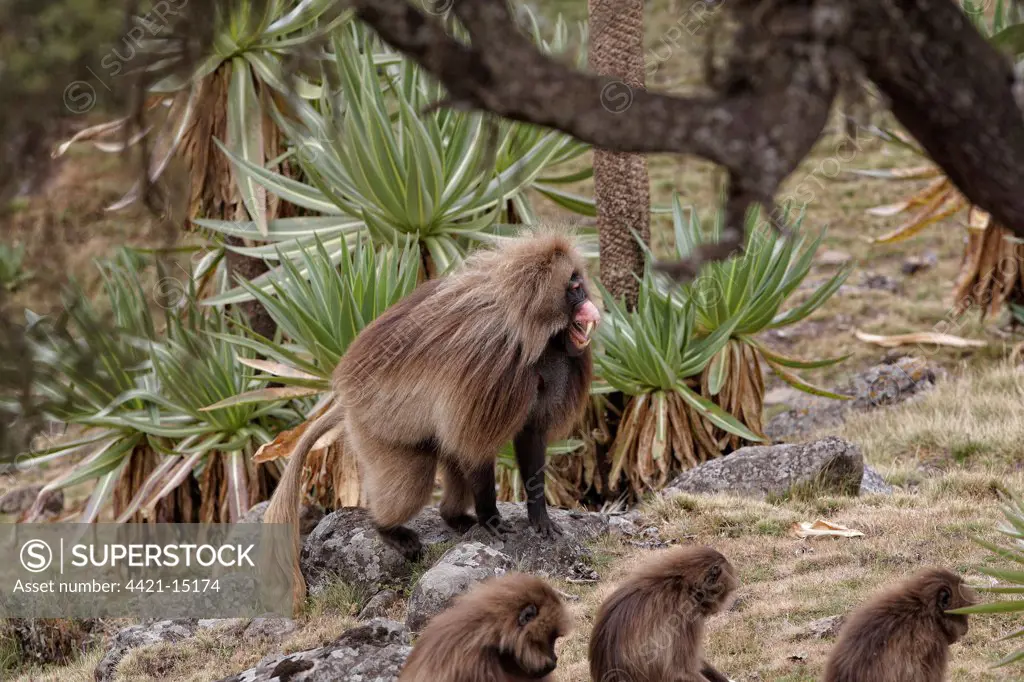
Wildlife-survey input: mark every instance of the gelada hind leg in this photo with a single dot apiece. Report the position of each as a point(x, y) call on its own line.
point(457, 499)
point(399, 480)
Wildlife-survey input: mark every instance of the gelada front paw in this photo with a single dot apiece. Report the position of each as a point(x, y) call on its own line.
point(545, 527)
point(461, 523)
point(498, 527)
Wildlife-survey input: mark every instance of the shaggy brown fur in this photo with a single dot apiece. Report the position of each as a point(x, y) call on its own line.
point(903, 634)
point(503, 630)
point(496, 352)
point(651, 629)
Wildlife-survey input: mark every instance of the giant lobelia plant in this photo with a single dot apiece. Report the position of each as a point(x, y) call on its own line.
point(750, 292)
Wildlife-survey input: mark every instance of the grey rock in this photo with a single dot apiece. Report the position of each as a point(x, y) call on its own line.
point(373, 652)
point(459, 569)
point(833, 257)
point(138, 636)
point(878, 282)
point(309, 516)
point(831, 464)
point(823, 628)
point(378, 605)
point(548, 556)
point(272, 627)
point(634, 515)
point(872, 483)
point(892, 383)
point(582, 572)
point(233, 626)
point(885, 384)
point(622, 527)
point(915, 264)
point(20, 500)
point(871, 282)
point(647, 538)
point(346, 546)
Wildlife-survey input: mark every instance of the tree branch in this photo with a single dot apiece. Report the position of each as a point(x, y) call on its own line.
point(951, 90)
point(759, 131)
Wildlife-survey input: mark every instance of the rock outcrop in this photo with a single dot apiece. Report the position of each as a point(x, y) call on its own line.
point(346, 546)
point(831, 465)
point(459, 569)
point(374, 652)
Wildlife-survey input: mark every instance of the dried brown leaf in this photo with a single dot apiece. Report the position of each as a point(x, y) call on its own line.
point(933, 338)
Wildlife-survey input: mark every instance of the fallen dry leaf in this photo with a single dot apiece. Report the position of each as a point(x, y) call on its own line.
point(281, 446)
point(819, 528)
point(278, 369)
point(934, 338)
point(285, 441)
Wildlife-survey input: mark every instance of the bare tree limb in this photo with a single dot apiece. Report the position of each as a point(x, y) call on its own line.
point(951, 90)
point(759, 130)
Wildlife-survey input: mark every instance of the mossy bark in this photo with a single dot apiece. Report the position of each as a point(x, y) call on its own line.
point(621, 182)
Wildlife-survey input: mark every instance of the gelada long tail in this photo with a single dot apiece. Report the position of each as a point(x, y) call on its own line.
point(285, 507)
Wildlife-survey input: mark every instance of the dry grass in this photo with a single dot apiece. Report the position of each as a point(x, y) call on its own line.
point(787, 582)
point(217, 653)
point(976, 421)
point(81, 670)
point(954, 449)
point(66, 226)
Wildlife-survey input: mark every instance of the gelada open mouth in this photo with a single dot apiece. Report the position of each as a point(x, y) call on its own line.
point(580, 333)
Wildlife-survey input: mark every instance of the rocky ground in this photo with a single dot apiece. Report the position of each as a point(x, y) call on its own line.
point(344, 548)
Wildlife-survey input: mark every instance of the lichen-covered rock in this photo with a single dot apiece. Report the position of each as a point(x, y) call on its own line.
point(378, 605)
point(273, 628)
point(886, 384)
point(374, 652)
point(232, 627)
point(559, 556)
point(622, 527)
point(309, 516)
point(830, 465)
point(823, 628)
point(458, 570)
point(138, 636)
point(873, 483)
point(346, 546)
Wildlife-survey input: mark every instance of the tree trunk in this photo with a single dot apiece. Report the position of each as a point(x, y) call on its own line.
point(247, 268)
point(621, 185)
point(215, 189)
